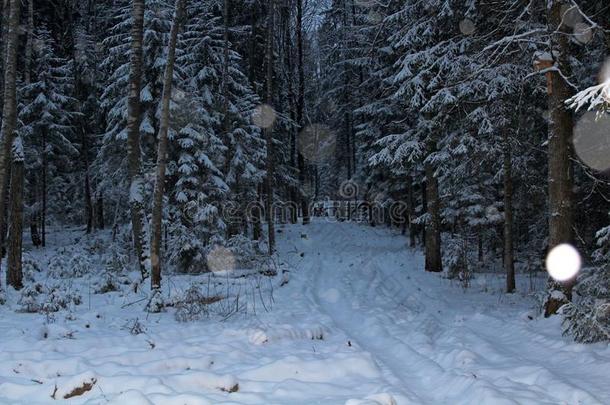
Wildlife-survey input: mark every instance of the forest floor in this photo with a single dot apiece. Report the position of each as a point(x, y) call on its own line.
point(353, 320)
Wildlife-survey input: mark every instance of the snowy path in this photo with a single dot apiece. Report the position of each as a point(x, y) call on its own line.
point(358, 322)
point(437, 344)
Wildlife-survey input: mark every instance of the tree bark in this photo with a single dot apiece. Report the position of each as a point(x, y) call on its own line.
point(136, 198)
point(255, 212)
point(14, 274)
point(157, 213)
point(560, 167)
point(295, 192)
point(4, 9)
point(43, 210)
point(88, 198)
point(509, 262)
point(27, 74)
point(34, 231)
point(434, 262)
point(411, 214)
point(9, 106)
point(269, 131)
point(99, 210)
point(301, 109)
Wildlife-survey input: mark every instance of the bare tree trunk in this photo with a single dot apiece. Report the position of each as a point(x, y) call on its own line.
point(434, 260)
point(269, 131)
point(301, 107)
point(256, 216)
point(99, 211)
point(28, 46)
point(295, 193)
point(560, 167)
point(232, 226)
point(14, 274)
point(136, 188)
point(34, 232)
point(509, 262)
point(4, 9)
point(411, 214)
point(9, 106)
point(157, 213)
point(88, 197)
point(481, 254)
point(43, 210)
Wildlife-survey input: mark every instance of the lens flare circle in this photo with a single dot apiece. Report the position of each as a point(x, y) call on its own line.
point(467, 26)
point(591, 140)
point(221, 259)
point(563, 262)
point(264, 116)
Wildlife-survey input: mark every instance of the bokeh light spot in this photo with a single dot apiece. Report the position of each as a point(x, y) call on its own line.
point(220, 259)
point(563, 262)
point(592, 140)
point(583, 33)
point(317, 143)
point(264, 116)
point(467, 26)
point(570, 15)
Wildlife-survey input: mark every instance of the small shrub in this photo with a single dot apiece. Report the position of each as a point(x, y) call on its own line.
point(456, 261)
point(59, 298)
point(30, 268)
point(38, 298)
point(69, 265)
point(117, 262)
point(156, 303)
point(95, 246)
point(587, 317)
point(29, 298)
point(192, 305)
point(135, 327)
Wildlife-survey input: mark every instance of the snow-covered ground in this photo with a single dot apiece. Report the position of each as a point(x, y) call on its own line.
point(355, 320)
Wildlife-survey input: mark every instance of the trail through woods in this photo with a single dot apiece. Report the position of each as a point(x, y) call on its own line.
point(354, 320)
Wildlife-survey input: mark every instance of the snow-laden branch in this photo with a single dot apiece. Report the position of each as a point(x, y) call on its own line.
point(596, 97)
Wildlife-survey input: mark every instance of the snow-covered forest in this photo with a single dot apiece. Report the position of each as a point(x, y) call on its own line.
point(305, 201)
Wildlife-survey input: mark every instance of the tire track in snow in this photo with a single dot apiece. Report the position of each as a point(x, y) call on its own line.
point(376, 321)
point(395, 375)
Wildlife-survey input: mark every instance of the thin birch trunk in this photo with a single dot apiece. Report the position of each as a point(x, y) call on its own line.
point(136, 188)
point(157, 213)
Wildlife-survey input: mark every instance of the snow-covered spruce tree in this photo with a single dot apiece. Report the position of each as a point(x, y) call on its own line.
point(47, 116)
point(206, 161)
point(432, 60)
point(341, 39)
point(162, 147)
point(111, 165)
point(389, 178)
point(88, 35)
point(218, 88)
point(587, 317)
